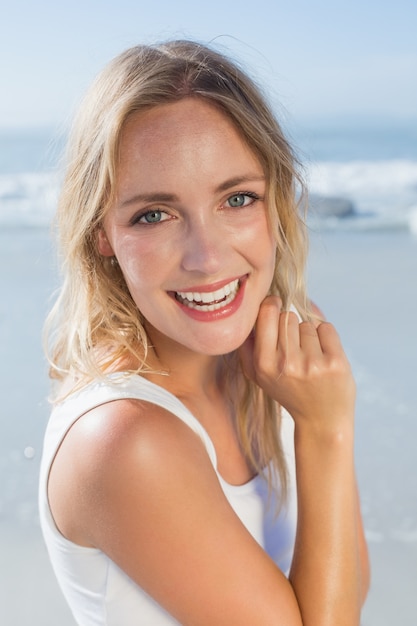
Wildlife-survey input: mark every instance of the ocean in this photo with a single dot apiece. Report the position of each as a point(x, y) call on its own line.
point(373, 168)
point(361, 272)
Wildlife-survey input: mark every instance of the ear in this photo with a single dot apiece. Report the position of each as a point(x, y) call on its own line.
point(103, 244)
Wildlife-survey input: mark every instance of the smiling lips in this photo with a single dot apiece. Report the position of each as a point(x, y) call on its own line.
point(210, 300)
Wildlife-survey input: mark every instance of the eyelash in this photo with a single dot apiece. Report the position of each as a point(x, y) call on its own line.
point(136, 219)
point(248, 194)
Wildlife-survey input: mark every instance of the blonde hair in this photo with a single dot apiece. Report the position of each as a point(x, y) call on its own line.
point(95, 322)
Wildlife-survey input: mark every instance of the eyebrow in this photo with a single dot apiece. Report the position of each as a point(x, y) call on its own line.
point(149, 197)
point(169, 197)
point(239, 180)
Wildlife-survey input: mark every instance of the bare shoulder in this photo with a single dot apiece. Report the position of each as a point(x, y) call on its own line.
point(136, 482)
point(104, 449)
point(116, 427)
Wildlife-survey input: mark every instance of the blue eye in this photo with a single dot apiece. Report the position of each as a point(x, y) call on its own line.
point(151, 217)
point(241, 199)
point(154, 216)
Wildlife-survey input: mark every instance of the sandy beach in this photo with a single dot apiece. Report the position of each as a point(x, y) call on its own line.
point(365, 284)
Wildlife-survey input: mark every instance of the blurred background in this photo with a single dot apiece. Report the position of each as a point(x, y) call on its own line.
point(342, 78)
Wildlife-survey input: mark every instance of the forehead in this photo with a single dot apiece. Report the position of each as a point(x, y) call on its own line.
point(188, 112)
point(189, 131)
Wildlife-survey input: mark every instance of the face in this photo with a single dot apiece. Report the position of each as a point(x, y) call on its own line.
point(189, 227)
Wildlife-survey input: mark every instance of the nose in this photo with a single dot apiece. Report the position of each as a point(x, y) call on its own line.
point(204, 248)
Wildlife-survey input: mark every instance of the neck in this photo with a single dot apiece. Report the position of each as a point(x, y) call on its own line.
point(189, 373)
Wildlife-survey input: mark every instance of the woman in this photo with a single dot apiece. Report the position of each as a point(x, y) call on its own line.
point(168, 490)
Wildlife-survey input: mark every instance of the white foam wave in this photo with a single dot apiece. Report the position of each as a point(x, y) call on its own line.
point(28, 199)
point(384, 193)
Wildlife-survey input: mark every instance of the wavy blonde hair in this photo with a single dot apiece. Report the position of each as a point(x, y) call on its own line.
point(95, 322)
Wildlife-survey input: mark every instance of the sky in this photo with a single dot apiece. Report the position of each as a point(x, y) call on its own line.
point(321, 60)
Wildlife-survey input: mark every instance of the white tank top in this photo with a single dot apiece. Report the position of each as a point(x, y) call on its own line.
point(98, 592)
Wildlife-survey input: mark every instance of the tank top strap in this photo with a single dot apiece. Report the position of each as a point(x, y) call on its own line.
point(118, 386)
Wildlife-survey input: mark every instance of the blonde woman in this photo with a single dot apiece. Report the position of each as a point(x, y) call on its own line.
point(198, 464)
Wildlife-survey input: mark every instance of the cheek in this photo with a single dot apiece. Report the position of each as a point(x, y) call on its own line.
point(268, 243)
point(259, 245)
point(143, 265)
point(264, 259)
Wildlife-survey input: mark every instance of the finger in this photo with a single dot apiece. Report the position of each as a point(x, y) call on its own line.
point(329, 339)
point(289, 332)
point(309, 339)
point(267, 325)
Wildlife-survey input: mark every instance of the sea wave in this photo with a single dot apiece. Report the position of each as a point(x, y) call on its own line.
point(381, 194)
point(28, 199)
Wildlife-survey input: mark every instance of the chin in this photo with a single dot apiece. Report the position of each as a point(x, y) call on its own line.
point(222, 345)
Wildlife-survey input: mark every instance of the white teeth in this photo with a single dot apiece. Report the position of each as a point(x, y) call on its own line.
point(209, 301)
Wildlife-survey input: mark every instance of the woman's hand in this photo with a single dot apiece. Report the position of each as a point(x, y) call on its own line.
point(302, 367)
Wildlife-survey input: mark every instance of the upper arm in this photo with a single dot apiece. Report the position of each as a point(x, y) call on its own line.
point(147, 495)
